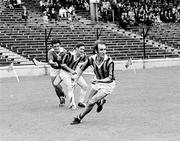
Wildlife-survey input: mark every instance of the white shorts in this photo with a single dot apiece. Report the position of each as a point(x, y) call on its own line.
point(67, 79)
point(107, 88)
point(103, 89)
point(54, 72)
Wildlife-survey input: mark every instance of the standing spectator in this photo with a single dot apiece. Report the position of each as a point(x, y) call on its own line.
point(45, 17)
point(24, 13)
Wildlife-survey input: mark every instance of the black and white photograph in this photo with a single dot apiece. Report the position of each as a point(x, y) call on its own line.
point(89, 70)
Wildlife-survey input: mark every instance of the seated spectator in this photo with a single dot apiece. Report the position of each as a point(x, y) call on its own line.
point(71, 10)
point(131, 17)
point(53, 15)
point(42, 5)
point(62, 12)
point(11, 6)
point(124, 20)
point(14, 3)
point(178, 7)
point(6, 3)
point(106, 11)
point(149, 19)
point(24, 13)
point(157, 19)
point(178, 17)
point(86, 5)
point(18, 4)
point(71, 14)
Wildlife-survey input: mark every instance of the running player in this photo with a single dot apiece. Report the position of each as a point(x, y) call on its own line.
point(70, 64)
point(54, 58)
point(103, 83)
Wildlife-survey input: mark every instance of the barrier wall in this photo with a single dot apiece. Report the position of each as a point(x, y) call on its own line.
point(32, 70)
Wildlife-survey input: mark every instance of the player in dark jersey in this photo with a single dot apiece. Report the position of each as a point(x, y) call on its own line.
point(70, 64)
point(54, 59)
point(103, 83)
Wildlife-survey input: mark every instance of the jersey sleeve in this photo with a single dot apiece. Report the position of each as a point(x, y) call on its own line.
point(86, 64)
point(50, 56)
point(64, 59)
point(111, 70)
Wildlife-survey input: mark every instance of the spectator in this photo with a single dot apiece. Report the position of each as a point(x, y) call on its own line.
point(157, 19)
point(45, 17)
point(24, 13)
point(53, 15)
point(11, 6)
point(86, 5)
point(42, 5)
point(72, 10)
point(6, 3)
point(19, 3)
point(62, 12)
point(131, 17)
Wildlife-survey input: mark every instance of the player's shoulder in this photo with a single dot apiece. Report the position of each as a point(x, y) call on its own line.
point(51, 50)
point(70, 53)
point(92, 56)
point(62, 51)
point(110, 58)
point(84, 55)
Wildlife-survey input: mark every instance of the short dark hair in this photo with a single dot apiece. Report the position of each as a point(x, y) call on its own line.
point(55, 41)
point(79, 44)
point(98, 42)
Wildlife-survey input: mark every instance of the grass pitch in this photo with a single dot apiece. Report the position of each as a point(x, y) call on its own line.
point(143, 107)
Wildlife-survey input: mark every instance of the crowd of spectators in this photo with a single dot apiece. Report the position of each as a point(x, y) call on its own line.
point(56, 9)
point(130, 13)
point(13, 3)
point(126, 12)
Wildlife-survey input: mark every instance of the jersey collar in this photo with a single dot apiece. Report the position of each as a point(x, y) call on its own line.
point(99, 65)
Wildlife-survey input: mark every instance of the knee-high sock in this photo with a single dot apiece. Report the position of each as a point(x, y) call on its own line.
point(83, 94)
point(71, 95)
point(87, 110)
point(59, 91)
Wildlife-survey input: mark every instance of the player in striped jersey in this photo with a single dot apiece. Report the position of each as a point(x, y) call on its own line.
point(54, 58)
point(103, 83)
point(70, 64)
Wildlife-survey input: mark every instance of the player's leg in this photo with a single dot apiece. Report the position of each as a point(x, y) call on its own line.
point(59, 91)
point(105, 88)
point(82, 83)
point(99, 92)
point(70, 90)
point(88, 108)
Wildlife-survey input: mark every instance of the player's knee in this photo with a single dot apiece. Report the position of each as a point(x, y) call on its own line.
point(85, 87)
point(58, 88)
point(91, 102)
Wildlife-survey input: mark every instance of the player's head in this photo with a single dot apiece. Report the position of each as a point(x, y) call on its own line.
point(56, 44)
point(80, 47)
point(99, 48)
